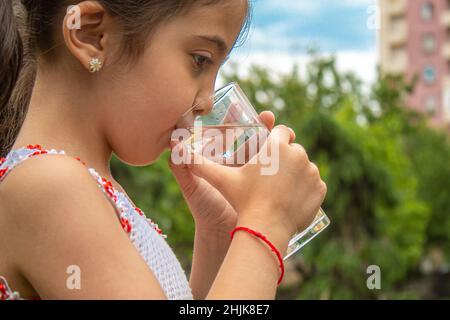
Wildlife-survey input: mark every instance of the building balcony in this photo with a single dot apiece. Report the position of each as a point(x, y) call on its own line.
point(395, 64)
point(396, 7)
point(394, 69)
point(398, 36)
point(446, 51)
point(445, 18)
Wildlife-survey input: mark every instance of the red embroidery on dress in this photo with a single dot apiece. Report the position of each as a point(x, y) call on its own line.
point(109, 188)
point(3, 171)
point(125, 224)
point(139, 211)
point(154, 225)
point(158, 230)
point(36, 153)
point(78, 158)
point(36, 146)
point(3, 293)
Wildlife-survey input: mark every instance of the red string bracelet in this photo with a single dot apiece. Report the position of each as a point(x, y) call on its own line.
point(263, 238)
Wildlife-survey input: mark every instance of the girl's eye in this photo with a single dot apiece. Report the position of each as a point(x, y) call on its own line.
point(201, 61)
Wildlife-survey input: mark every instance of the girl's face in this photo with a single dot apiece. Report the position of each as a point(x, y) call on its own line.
point(179, 68)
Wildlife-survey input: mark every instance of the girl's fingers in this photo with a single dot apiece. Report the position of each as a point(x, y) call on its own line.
point(293, 136)
point(268, 118)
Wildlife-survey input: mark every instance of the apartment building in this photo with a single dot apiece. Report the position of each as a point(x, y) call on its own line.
point(414, 41)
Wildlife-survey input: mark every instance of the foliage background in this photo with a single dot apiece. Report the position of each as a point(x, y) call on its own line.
point(388, 179)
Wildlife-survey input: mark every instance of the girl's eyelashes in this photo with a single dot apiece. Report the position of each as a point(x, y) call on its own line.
point(201, 61)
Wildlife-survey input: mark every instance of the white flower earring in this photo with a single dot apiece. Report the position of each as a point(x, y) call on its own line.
point(95, 65)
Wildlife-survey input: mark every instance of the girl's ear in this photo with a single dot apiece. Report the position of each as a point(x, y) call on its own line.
point(86, 30)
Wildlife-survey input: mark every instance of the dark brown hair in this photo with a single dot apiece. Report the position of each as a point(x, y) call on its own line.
point(27, 30)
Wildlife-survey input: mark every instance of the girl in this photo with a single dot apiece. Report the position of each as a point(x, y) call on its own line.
point(116, 76)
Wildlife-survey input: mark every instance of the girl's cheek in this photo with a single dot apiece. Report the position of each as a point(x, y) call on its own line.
point(178, 108)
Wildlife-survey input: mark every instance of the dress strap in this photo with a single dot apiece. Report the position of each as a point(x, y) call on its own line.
point(125, 210)
point(6, 292)
point(117, 198)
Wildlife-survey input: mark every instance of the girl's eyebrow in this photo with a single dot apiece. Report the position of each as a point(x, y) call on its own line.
point(217, 40)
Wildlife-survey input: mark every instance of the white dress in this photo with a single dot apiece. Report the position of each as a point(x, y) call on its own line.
point(142, 231)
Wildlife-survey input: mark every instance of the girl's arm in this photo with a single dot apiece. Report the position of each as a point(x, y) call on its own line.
point(58, 218)
point(210, 248)
point(64, 229)
point(250, 270)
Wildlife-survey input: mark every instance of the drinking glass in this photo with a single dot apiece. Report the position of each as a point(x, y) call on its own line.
point(232, 134)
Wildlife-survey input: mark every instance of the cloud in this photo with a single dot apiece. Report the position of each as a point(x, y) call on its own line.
point(361, 63)
point(308, 7)
point(332, 25)
point(283, 30)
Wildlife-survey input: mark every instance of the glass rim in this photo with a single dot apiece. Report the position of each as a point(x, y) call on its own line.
point(229, 86)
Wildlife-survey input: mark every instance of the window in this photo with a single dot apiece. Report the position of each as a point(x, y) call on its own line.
point(429, 74)
point(430, 104)
point(428, 43)
point(398, 24)
point(426, 11)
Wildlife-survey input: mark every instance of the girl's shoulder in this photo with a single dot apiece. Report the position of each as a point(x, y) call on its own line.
point(56, 218)
point(45, 186)
point(24, 178)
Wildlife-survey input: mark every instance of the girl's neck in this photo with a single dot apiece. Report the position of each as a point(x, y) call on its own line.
point(60, 116)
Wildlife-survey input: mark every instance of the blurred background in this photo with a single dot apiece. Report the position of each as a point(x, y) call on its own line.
point(366, 86)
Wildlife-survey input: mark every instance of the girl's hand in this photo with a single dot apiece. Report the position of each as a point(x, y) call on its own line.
point(208, 206)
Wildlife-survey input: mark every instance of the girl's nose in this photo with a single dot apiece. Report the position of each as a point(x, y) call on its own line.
point(204, 106)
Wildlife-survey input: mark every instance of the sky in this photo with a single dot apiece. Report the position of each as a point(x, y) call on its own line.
point(283, 30)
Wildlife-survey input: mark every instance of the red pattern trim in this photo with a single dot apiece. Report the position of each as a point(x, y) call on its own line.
point(139, 211)
point(125, 224)
point(3, 171)
point(3, 293)
point(78, 158)
point(36, 146)
point(109, 189)
point(107, 185)
point(36, 153)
